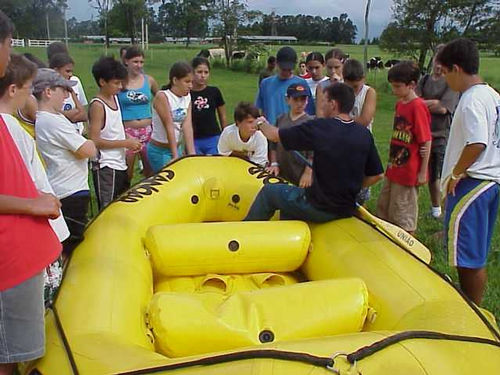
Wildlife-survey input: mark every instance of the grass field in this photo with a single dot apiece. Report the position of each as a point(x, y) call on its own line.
point(238, 86)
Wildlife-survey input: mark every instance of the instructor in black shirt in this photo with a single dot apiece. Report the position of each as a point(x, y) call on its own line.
point(345, 160)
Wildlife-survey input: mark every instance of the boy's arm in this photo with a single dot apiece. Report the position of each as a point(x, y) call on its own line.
point(96, 122)
point(44, 205)
point(425, 152)
point(469, 155)
point(187, 127)
point(162, 108)
point(369, 106)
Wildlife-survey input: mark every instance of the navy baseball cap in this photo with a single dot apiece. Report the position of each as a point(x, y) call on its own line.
point(296, 89)
point(286, 58)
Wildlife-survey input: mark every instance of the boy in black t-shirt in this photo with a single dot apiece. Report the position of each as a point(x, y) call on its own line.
point(345, 160)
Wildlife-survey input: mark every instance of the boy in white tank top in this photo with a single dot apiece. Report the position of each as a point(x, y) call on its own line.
point(107, 131)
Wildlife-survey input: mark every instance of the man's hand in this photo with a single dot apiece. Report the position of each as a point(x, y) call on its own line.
point(46, 205)
point(452, 184)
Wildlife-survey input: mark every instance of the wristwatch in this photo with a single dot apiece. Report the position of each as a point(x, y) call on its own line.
point(259, 123)
point(455, 177)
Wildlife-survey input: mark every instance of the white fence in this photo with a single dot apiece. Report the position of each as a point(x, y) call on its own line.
point(40, 42)
point(18, 43)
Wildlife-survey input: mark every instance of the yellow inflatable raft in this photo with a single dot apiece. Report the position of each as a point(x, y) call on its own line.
point(168, 280)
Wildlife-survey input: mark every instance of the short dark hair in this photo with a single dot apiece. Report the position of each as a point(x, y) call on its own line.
point(271, 60)
point(342, 94)
point(315, 56)
point(107, 68)
point(245, 109)
point(19, 71)
point(59, 60)
point(353, 70)
point(336, 53)
point(405, 72)
point(133, 51)
point(462, 52)
point(6, 27)
point(199, 60)
point(56, 47)
point(39, 63)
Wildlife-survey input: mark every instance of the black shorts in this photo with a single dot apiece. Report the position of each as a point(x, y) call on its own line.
point(109, 184)
point(436, 163)
point(75, 209)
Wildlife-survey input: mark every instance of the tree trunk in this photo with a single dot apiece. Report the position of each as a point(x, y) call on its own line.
point(471, 16)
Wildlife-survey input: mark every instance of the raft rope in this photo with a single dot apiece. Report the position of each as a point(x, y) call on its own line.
point(65, 341)
point(369, 350)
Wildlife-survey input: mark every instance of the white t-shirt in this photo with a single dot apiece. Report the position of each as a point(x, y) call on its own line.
point(359, 102)
point(476, 120)
point(179, 106)
point(69, 104)
point(26, 146)
point(256, 146)
point(57, 139)
point(313, 84)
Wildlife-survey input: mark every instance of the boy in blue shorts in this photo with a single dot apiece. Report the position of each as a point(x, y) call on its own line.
point(471, 169)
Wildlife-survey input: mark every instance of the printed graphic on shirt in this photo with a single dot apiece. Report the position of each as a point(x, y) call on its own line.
point(179, 114)
point(201, 103)
point(137, 97)
point(496, 131)
point(67, 107)
point(399, 154)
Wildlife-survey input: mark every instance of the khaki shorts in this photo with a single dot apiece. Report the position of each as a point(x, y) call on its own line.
point(398, 204)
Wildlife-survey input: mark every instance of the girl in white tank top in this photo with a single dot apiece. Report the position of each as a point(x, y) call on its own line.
point(172, 128)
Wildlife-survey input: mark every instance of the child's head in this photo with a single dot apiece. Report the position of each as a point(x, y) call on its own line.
point(63, 64)
point(6, 31)
point(459, 58)
point(403, 78)
point(15, 85)
point(245, 117)
point(302, 68)
point(39, 63)
point(297, 97)
point(56, 47)
point(271, 62)
point(334, 60)
point(354, 74)
point(109, 75)
point(123, 52)
point(201, 70)
point(50, 88)
point(134, 59)
point(286, 59)
point(180, 78)
point(437, 68)
point(315, 64)
point(339, 99)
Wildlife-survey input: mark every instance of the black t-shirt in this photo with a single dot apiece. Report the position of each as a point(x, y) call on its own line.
point(344, 153)
point(204, 105)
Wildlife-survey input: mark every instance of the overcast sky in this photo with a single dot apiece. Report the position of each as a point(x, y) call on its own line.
point(380, 12)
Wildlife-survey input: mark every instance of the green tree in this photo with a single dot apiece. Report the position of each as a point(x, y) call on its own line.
point(185, 18)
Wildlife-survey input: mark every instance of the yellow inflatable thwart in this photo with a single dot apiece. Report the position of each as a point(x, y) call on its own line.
point(168, 280)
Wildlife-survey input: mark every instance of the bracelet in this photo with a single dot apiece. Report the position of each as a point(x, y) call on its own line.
point(275, 164)
point(454, 178)
point(259, 123)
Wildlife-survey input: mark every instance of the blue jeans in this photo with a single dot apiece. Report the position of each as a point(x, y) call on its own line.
point(290, 200)
point(158, 157)
point(207, 145)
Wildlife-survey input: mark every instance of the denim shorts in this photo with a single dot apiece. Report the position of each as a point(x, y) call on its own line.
point(22, 329)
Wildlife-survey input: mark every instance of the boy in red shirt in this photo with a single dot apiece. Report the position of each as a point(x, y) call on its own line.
point(409, 150)
point(27, 242)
